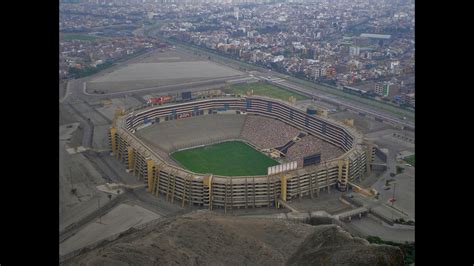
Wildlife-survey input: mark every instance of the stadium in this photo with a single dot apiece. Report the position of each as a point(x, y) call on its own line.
point(238, 152)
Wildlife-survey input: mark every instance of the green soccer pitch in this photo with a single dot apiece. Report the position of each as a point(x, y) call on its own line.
point(231, 158)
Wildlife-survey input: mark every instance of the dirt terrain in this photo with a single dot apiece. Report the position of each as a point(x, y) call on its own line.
point(161, 68)
point(205, 238)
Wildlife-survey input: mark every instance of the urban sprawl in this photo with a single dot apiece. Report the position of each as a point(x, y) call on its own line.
point(365, 47)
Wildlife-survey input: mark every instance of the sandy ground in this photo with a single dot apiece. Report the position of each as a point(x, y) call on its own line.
point(65, 117)
point(76, 172)
point(89, 113)
point(161, 68)
point(117, 220)
point(109, 106)
point(170, 55)
point(363, 124)
point(168, 71)
point(318, 104)
point(118, 86)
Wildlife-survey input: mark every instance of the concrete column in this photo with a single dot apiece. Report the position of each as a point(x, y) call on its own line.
point(174, 186)
point(149, 166)
point(207, 181)
point(246, 193)
point(184, 191)
point(327, 178)
point(347, 171)
point(156, 182)
point(339, 172)
point(118, 144)
point(131, 162)
point(113, 141)
point(369, 157)
point(283, 188)
point(274, 193)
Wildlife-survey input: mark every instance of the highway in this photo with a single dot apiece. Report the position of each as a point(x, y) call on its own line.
point(335, 100)
point(283, 80)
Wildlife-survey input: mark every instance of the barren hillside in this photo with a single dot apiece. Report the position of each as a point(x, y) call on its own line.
point(204, 238)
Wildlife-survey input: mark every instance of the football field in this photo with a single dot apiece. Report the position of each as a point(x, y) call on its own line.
point(231, 158)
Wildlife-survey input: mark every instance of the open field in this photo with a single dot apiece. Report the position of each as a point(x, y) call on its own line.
point(169, 55)
point(162, 68)
point(232, 158)
point(168, 70)
point(263, 89)
point(118, 86)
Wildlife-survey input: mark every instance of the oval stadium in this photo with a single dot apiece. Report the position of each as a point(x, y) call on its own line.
point(238, 152)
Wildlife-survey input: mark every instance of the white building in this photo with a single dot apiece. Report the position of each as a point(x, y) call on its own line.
point(236, 12)
point(354, 51)
point(278, 58)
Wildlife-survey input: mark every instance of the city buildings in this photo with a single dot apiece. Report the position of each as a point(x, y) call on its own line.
point(337, 42)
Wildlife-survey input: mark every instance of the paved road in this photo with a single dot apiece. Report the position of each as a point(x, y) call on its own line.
point(370, 227)
point(402, 190)
point(336, 100)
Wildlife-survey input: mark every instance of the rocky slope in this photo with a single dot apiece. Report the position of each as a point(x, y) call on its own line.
point(204, 238)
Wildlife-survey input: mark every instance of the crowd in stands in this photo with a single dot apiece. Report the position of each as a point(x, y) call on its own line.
point(310, 145)
point(267, 133)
